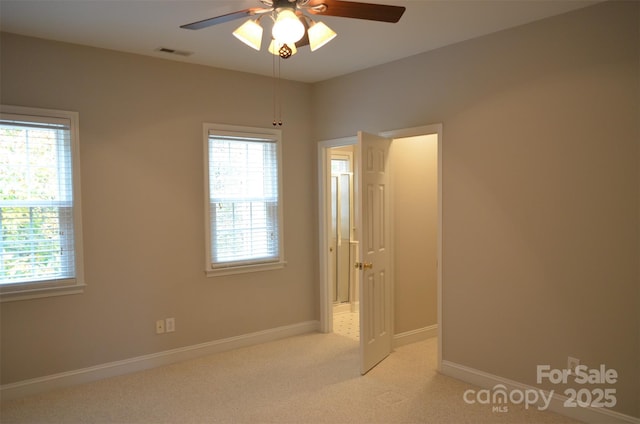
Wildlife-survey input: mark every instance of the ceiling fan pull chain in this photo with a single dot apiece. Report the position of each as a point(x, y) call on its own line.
point(279, 97)
point(277, 102)
point(275, 89)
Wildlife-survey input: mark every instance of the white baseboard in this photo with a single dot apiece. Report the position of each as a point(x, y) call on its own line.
point(413, 336)
point(140, 363)
point(488, 381)
point(342, 308)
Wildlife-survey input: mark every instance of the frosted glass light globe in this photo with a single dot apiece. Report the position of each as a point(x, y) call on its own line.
point(287, 29)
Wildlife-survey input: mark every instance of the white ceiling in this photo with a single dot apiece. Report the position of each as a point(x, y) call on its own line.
point(142, 26)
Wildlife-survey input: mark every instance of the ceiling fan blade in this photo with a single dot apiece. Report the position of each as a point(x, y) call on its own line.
point(350, 9)
point(222, 18)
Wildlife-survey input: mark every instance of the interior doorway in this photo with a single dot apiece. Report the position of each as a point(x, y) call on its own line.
point(328, 257)
point(343, 244)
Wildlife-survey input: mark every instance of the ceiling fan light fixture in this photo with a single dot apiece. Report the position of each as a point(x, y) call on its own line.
point(319, 35)
point(280, 49)
point(287, 28)
point(250, 33)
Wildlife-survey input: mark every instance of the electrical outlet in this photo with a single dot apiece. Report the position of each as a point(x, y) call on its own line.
point(170, 325)
point(572, 363)
point(160, 326)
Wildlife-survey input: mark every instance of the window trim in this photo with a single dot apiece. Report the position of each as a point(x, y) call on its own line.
point(241, 267)
point(68, 286)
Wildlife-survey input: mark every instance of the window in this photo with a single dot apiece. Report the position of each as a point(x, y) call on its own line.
point(244, 200)
point(40, 230)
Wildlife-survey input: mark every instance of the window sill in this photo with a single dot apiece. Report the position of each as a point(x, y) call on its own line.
point(243, 269)
point(15, 294)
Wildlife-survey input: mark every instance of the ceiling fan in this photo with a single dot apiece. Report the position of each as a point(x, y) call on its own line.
point(292, 28)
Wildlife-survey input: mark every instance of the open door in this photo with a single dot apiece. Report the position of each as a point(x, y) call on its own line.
point(374, 251)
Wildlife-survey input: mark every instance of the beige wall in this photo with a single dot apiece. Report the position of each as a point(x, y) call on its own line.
point(143, 208)
point(540, 187)
point(414, 163)
point(540, 196)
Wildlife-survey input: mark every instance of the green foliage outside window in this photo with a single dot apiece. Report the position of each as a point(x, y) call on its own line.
point(36, 218)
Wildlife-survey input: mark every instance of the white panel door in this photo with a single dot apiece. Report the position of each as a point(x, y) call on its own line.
point(374, 255)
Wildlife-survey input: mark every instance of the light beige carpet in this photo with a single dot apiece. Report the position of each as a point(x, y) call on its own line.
point(311, 378)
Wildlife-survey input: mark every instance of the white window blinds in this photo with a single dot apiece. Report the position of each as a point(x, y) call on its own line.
point(36, 200)
point(243, 199)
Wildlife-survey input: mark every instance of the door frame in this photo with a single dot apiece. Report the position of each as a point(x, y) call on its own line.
point(326, 309)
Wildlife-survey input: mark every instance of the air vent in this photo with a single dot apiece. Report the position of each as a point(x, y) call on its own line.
point(173, 51)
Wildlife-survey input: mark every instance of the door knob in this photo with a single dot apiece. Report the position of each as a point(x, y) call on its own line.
point(363, 265)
